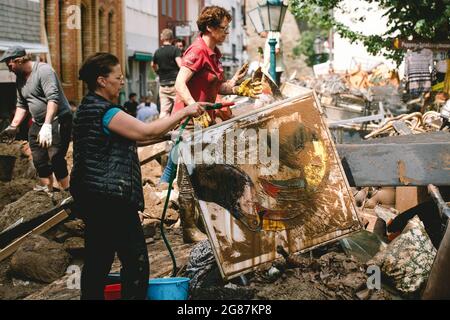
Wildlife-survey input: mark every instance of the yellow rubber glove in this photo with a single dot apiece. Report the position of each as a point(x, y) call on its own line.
point(203, 121)
point(250, 89)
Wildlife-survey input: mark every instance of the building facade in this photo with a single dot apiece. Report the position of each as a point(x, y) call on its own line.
point(75, 29)
point(173, 14)
point(233, 50)
point(142, 40)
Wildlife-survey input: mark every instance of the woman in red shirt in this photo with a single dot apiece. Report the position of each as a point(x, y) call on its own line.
point(201, 79)
point(201, 76)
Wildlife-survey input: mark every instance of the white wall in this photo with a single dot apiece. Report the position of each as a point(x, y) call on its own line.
point(375, 23)
point(237, 35)
point(141, 26)
point(193, 8)
point(142, 35)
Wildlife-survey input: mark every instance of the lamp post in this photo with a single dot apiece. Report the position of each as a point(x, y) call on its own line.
point(269, 17)
point(318, 49)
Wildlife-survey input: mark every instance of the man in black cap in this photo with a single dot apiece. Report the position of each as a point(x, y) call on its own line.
point(40, 94)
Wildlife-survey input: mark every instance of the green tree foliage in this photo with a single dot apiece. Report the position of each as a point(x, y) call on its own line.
point(306, 46)
point(421, 20)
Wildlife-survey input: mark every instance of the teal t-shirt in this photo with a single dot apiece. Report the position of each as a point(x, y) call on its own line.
point(109, 115)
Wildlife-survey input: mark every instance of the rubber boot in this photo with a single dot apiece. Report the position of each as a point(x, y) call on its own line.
point(191, 233)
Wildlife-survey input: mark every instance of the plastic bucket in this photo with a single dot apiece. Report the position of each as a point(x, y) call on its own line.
point(113, 278)
point(113, 292)
point(6, 167)
point(168, 289)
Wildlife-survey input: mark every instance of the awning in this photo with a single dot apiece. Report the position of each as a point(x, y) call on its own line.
point(29, 47)
point(145, 57)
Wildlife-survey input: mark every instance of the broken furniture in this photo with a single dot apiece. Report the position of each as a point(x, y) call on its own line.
point(410, 160)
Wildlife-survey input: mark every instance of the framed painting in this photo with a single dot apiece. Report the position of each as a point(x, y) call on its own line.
point(266, 178)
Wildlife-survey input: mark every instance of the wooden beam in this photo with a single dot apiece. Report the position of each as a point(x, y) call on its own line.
point(47, 225)
point(410, 160)
point(149, 153)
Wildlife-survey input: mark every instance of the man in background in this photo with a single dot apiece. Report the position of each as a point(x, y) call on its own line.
point(40, 94)
point(180, 44)
point(147, 111)
point(166, 63)
point(131, 105)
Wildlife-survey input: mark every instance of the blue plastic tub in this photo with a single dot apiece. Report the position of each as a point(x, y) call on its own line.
point(168, 289)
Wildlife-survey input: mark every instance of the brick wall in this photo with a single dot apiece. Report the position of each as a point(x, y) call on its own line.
point(101, 29)
point(170, 21)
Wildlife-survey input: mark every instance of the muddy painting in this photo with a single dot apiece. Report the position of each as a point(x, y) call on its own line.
point(268, 178)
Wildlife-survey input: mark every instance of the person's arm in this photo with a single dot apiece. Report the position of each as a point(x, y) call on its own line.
point(179, 61)
point(49, 84)
point(227, 87)
point(155, 67)
point(19, 116)
point(52, 111)
point(166, 137)
point(129, 127)
point(184, 75)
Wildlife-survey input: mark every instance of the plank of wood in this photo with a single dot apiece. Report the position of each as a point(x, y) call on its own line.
point(149, 153)
point(47, 225)
point(408, 160)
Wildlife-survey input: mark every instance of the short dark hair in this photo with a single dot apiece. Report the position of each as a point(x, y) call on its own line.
point(132, 95)
point(212, 17)
point(180, 40)
point(97, 65)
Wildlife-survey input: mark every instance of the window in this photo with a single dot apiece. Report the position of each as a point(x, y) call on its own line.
point(170, 8)
point(112, 33)
point(234, 52)
point(233, 12)
point(102, 27)
point(163, 7)
point(243, 16)
point(178, 10)
point(183, 10)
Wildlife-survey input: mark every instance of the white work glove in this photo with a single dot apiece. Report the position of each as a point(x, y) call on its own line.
point(45, 136)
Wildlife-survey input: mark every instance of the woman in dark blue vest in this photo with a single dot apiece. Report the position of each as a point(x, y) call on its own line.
point(106, 179)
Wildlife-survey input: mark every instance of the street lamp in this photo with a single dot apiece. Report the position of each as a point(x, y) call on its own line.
point(318, 48)
point(269, 16)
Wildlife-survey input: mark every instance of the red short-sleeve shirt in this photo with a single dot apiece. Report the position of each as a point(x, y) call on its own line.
point(208, 73)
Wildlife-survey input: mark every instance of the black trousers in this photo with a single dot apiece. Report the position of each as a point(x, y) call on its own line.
point(112, 227)
point(52, 160)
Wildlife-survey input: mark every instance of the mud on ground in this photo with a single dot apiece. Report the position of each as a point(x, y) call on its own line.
point(24, 165)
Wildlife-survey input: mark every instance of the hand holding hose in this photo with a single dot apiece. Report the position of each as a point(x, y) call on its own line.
point(196, 109)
